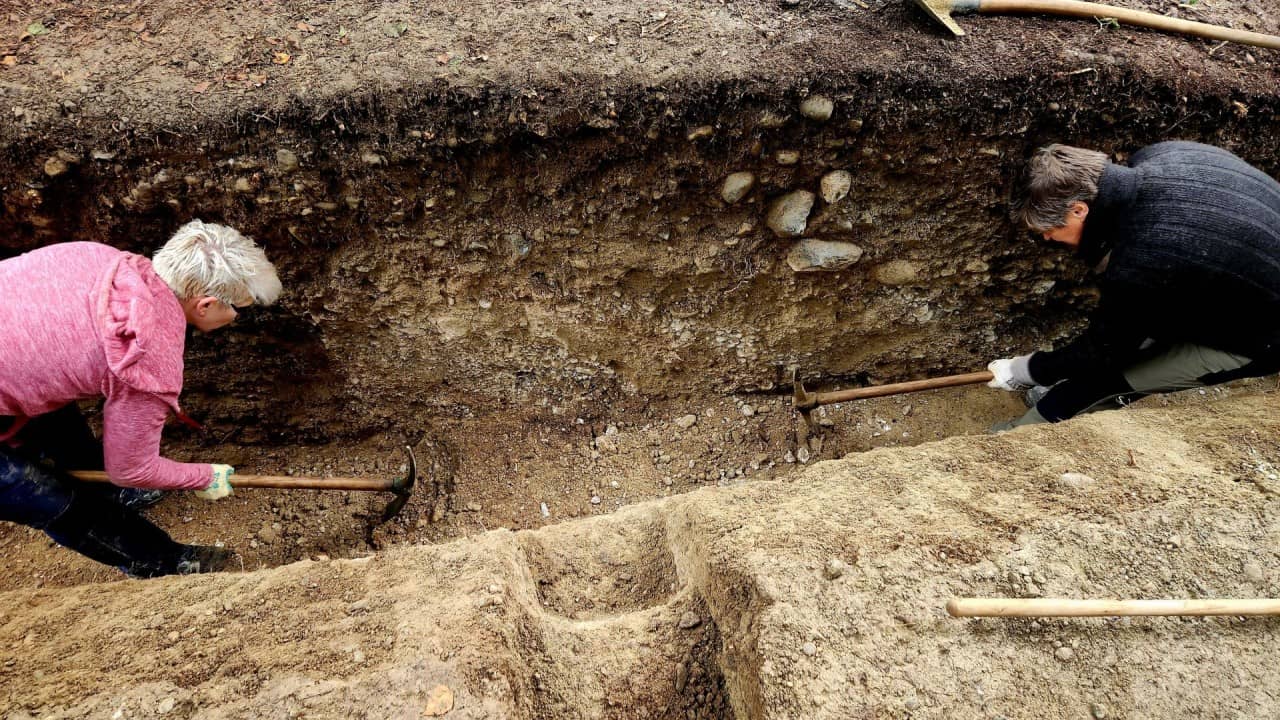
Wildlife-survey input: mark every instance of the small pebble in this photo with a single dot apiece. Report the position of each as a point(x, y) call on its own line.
point(817, 107)
point(809, 649)
point(1064, 653)
point(689, 620)
point(595, 499)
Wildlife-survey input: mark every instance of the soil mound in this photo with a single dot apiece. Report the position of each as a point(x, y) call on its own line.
point(821, 597)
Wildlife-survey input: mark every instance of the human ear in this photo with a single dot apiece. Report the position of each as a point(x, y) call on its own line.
point(203, 304)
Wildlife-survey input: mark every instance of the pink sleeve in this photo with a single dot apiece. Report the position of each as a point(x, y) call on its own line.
point(132, 422)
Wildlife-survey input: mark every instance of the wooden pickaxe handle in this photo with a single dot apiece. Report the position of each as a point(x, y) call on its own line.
point(807, 401)
point(1057, 607)
point(944, 9)
point(1075, 8)
point(277, 481)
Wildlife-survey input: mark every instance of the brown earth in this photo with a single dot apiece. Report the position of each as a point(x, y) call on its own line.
point(818, 596)
point(504, 242)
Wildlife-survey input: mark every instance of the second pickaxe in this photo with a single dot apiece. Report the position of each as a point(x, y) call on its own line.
point(941, 10)
point(806, 402)
point(402, 487)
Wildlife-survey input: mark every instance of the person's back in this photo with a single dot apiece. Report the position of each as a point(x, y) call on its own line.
point(1196, 246)
point(54, 317)
point(1187, 244)
point(83, 320)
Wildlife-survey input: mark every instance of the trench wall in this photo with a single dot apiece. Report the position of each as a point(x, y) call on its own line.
point(461, 252)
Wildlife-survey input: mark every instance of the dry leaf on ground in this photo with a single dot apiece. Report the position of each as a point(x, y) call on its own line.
point(439, 701)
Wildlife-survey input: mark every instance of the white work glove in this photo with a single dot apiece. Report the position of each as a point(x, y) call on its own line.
point(220, 486)
point(1011, 374)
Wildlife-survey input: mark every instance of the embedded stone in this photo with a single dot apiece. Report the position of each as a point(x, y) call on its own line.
point(835, 185)
point(817, 107)
point(698, 133)
point(810, 255)
point(736, 186)
point(287, 160)
point(789, 214)
point(897, 272)
point(56, 166)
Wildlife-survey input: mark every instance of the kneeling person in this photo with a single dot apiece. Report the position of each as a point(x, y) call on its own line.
point(1186, 245)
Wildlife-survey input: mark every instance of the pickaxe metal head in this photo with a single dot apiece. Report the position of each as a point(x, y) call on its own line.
point(941, 10)
point(803, 400)
point(402, 487)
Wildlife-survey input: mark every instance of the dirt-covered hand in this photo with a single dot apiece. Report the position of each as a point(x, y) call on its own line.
point(220, 486)
point(1010, 373)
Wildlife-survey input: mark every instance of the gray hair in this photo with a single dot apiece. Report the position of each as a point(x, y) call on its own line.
point(1056, 177)
point(207, 259)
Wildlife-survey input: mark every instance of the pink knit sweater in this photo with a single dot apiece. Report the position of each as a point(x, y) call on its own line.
point(83, 320)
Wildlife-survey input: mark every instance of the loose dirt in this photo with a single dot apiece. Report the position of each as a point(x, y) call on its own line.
point(724, 603)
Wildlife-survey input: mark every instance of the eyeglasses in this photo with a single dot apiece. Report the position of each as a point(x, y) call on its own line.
point(241, 311)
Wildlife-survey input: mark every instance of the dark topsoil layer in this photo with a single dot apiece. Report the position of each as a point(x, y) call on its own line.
point(106, 73)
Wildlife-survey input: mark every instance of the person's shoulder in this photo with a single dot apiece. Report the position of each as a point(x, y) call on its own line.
point(143, 327)
point(71, 254)
point(1182, 152)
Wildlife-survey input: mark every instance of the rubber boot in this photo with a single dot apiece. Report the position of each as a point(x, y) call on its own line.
point(205, 559)
point(118, 536)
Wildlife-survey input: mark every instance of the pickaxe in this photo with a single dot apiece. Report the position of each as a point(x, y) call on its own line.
point(806, 401)
point(941, 10)
point(402, 487)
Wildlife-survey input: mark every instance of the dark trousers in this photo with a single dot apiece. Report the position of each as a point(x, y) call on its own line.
point(1164, 368)
point(36, 491)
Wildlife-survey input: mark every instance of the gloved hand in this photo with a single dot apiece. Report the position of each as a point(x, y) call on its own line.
point(220, 487)
point(1011, 374)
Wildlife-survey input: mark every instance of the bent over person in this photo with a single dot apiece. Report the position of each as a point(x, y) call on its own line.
point(82, 320)
point(1186, 246)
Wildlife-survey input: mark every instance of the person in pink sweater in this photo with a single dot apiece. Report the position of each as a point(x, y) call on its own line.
point(83, 320)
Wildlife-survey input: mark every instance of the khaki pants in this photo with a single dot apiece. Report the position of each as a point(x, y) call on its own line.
point(1180, 367)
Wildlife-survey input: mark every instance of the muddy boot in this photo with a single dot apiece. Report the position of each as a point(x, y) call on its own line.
point(1032, 417)
point(1034, 395)
point(138, 498)
point(99, 528)
point(205, 559)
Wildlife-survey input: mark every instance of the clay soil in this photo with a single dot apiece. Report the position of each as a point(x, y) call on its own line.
point(504, 241)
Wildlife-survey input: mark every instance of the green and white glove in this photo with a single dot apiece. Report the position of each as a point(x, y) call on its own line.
point(220, 487)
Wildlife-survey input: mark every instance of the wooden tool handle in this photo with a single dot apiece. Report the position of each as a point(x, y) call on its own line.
point(275, 481)
point(1075, 8)
point(839, 396)
point(1057, 607)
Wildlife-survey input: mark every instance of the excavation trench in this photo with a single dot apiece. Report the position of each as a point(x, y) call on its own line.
point(567, 324)
point(564, 251)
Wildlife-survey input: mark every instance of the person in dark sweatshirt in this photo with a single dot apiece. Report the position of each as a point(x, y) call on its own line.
point(1186, 246)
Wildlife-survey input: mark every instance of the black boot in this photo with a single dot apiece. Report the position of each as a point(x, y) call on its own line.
point(205, 559)
point(104, 530)
point(138, 498)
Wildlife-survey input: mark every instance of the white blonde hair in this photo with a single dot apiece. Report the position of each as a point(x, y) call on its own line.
point(207, 259)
